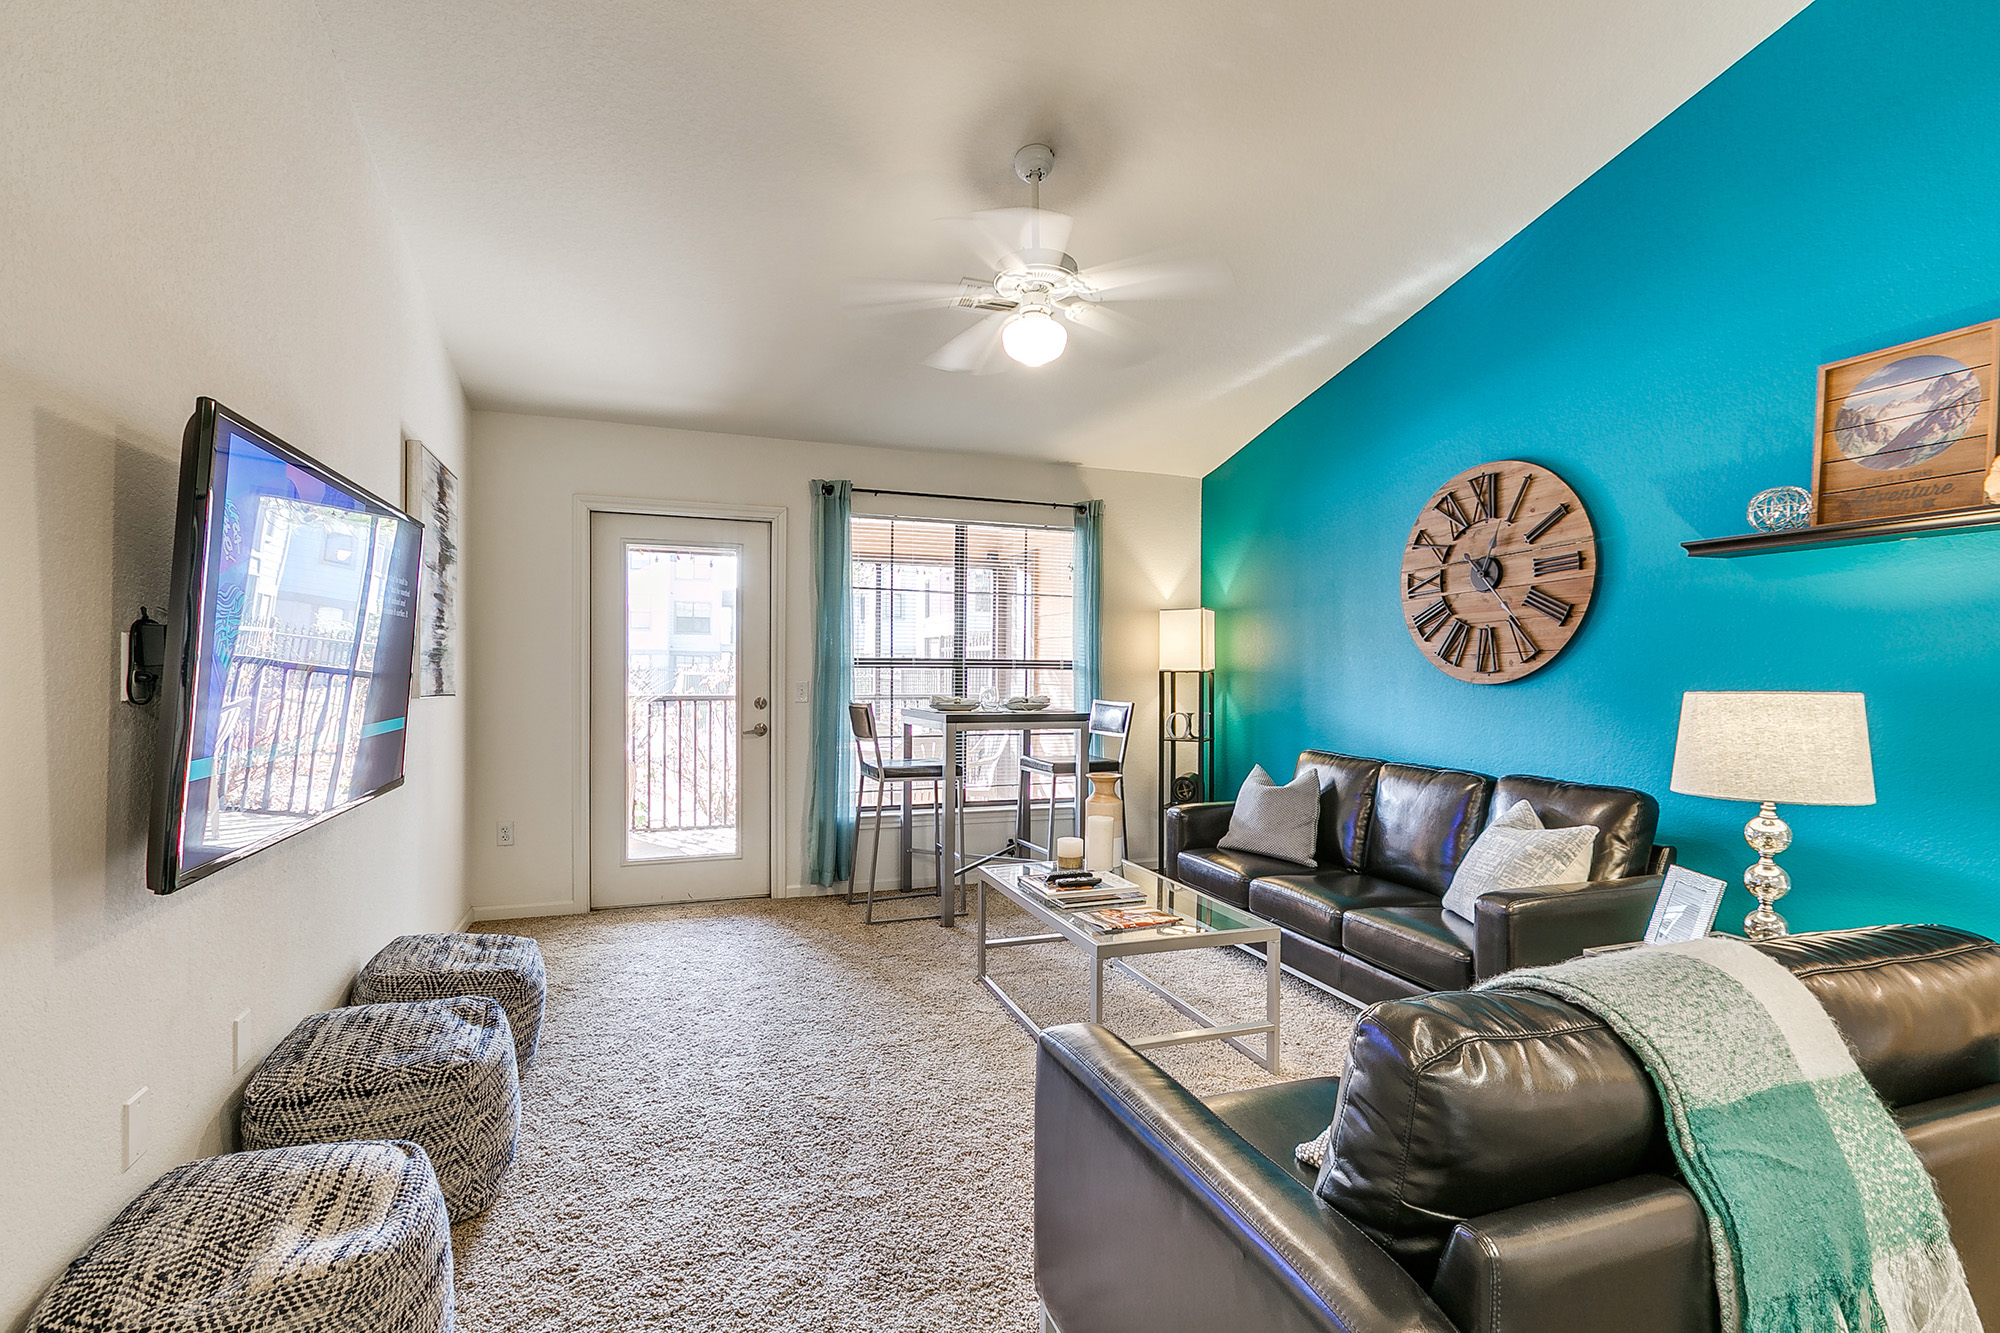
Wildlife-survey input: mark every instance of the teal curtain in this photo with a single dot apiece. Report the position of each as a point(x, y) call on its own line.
point(1089, 597)
point(830, 821)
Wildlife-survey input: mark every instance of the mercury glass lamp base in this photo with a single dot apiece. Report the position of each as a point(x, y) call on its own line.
point(1767, 881)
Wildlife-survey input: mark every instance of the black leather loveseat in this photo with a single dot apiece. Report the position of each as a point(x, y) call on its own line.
point(1500, 1165)
point(1367, 920)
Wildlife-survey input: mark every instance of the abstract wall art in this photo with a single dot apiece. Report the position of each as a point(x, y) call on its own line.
point(430, 493)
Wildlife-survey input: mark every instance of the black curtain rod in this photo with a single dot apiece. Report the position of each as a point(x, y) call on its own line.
point(976, 499)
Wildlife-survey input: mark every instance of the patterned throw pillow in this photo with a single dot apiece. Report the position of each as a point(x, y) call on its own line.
point(1270, 820)
point(1515, 854)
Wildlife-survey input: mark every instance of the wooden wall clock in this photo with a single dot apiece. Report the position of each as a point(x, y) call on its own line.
point(1498, 572)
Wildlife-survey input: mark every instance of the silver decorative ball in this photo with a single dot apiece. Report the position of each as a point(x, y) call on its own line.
point(1781, 509)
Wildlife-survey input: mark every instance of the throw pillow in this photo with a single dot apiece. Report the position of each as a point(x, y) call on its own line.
point(1270, 820)
point(1509, 856)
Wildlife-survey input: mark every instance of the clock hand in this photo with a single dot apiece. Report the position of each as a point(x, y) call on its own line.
point(1489, 590)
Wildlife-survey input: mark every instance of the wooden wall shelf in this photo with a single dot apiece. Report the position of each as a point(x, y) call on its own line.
point(1849, 534)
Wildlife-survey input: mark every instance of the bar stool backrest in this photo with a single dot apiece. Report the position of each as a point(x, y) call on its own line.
point(861, 721)
point(1111, 719)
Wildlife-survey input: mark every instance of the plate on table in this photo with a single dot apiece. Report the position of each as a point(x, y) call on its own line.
point(1033, 703)
point(949, 704)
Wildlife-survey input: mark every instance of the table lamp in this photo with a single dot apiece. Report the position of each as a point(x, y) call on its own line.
point(1772, 746)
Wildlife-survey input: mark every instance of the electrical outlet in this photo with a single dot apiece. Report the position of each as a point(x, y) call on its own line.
point(506, 833)
point(239, 1042)
point(801, 692)
point(137, 1127)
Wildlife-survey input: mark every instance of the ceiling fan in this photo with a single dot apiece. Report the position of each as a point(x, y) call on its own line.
point(1036, 291)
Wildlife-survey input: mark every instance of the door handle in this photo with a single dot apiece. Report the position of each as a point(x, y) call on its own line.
point(760, 702)
point(761, 729)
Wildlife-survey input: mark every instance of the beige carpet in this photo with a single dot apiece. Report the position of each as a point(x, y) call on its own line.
point(764, 1115)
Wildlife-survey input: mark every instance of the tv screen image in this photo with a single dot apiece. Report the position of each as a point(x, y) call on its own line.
point(290, 637)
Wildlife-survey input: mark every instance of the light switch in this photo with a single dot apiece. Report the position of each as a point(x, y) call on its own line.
point(801, 692)
point(137, 1128)
point(239, 1041)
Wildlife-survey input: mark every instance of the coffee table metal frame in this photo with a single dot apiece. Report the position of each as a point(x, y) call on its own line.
point(1224, 926)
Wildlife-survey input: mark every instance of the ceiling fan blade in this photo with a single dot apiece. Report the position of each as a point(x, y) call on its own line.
point(1110, 323)
point(1130, 340)
point(1003, 236)
point(1159, 277)
point(973, 351)
point(891, 298)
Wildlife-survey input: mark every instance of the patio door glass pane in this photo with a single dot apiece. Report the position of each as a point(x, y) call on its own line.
point(680, 701)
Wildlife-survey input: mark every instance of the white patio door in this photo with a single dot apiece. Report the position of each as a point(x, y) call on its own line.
point(680, 709)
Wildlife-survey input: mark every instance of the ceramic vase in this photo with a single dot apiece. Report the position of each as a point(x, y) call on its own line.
point(1103, 817)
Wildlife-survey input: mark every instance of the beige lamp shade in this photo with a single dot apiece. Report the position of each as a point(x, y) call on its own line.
point(1187, 640)
point(1787, 747)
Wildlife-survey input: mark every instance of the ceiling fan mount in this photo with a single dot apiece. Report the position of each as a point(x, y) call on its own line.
point(1034, 162)
point(1036, 286)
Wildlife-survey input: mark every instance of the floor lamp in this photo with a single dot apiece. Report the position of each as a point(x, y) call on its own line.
point(1187, 649)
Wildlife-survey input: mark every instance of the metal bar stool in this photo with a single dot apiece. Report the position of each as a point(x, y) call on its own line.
point(885, 773)
point(1113, 721)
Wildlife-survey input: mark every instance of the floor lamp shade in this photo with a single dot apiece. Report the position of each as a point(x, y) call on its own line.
point(1785, 747)
point(1187, 640)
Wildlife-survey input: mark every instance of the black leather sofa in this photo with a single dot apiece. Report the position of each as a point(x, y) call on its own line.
point(1500, 1164)
point(1367, 920)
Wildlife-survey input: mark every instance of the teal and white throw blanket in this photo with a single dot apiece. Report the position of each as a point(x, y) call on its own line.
point(1821, 1217)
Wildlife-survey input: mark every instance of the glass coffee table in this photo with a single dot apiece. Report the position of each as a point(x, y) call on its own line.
point(1205, 923)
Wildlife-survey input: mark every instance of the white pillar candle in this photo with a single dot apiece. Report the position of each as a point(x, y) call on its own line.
point(1100, 838)
point(1069, 853)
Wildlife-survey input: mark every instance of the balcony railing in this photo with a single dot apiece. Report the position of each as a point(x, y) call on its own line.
point(681, 755)
point(285, 735)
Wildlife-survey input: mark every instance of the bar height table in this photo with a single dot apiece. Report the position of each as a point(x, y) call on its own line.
point(955, 724)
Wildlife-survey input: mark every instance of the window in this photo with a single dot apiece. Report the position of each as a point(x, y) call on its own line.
point(943, 607)
point(691, 618)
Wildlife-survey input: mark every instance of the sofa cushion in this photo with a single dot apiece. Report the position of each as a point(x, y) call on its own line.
point(1467, 1102)
point(1915, 1003)
point(1426, 944)
point(1346, 799)
point(1270, 820)
point(1625, 820)
point(1424, 822)
point(1275, 1118)
point(1227, 875)
point(1312, 905)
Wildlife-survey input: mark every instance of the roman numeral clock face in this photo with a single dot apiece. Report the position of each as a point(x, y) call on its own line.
point(1498, 572)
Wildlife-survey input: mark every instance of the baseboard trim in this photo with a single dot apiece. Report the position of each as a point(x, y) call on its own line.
point(465, 920)
point(561, 907)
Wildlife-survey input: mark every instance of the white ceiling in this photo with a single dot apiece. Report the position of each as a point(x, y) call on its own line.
point(644, 210)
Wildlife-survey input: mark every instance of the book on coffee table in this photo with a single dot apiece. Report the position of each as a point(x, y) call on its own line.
point(1110, 890)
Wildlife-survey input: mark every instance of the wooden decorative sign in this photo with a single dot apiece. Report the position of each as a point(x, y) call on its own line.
point(1498, 572)
point(1907, 430)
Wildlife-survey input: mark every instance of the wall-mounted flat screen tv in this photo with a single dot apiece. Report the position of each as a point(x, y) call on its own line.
point(289, 649)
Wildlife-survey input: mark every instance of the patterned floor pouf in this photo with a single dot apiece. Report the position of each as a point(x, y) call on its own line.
point(437, 1072)
point(435, 967)
point(333, 1238)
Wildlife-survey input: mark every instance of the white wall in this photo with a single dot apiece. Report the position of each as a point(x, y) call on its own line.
point(186, 208)
point(524, 712)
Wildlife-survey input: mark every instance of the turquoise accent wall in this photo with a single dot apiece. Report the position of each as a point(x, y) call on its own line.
point(1654, 338)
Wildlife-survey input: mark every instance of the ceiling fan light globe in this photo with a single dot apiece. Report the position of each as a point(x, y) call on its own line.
point(1034, 338)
